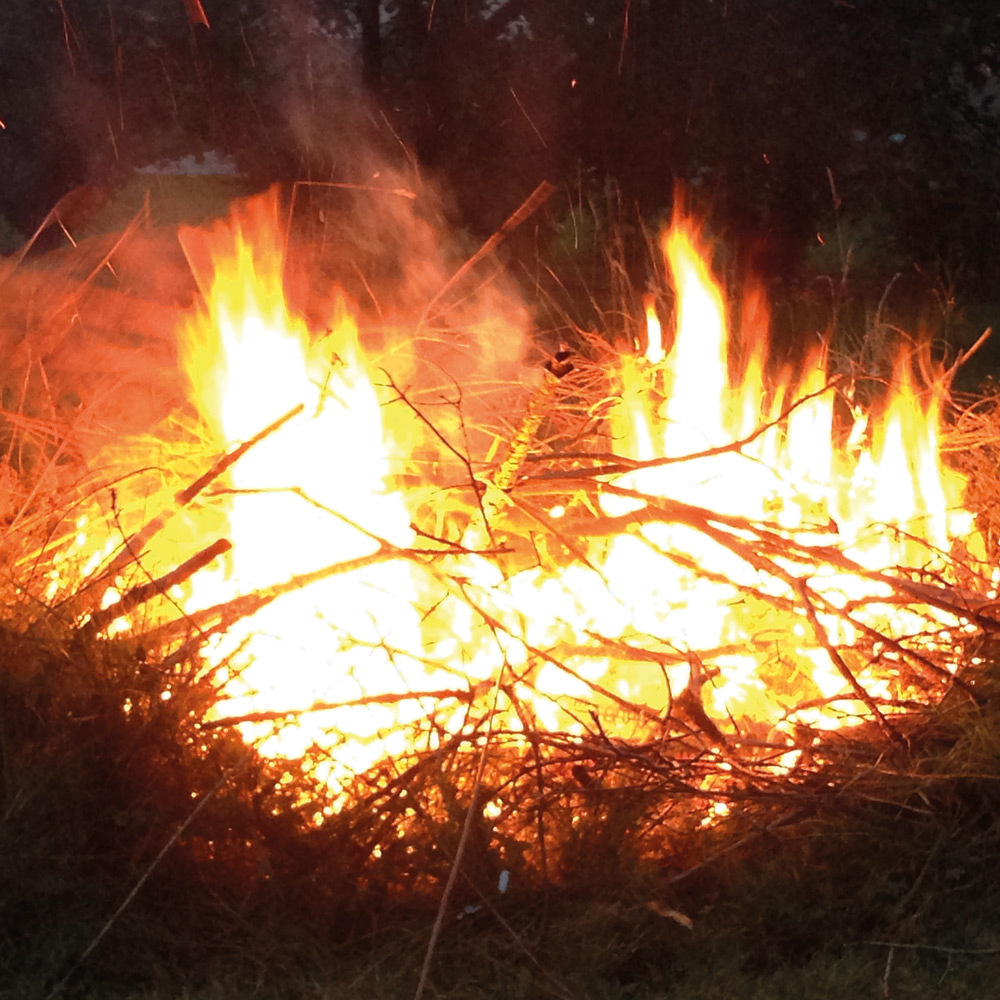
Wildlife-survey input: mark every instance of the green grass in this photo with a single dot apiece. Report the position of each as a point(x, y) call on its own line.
point(910, 854)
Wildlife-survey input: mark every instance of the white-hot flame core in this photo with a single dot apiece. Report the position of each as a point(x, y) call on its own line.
point(674, 597)
point(310, 496)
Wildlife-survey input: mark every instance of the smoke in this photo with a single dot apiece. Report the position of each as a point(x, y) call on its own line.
point(366, 216)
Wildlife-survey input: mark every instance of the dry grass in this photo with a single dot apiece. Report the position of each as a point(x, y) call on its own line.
point(145, 851)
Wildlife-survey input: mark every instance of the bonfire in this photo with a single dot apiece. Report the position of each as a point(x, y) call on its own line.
point(670, 562)
point(441, 579)
point(685, 545)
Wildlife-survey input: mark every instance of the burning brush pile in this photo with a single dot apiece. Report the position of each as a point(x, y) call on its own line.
point(655, 582)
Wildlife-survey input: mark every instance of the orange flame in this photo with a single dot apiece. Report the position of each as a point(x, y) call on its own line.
point(769, 458)
point(742, 554)
point(310, 497)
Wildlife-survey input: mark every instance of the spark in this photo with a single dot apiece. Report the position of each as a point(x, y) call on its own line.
point(524, 112)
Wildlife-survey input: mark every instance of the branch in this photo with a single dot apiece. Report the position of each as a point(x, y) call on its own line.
point(531, 204)
point(468, 694)
point(619, 464)
point(137, 541)
point(133, 598)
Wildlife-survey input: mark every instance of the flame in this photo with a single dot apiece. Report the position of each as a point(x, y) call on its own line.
point(883, 503)
point(729, 572)
point(308, 499)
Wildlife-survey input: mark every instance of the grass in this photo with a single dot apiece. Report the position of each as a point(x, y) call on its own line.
point(145, 857)
point(246, 903)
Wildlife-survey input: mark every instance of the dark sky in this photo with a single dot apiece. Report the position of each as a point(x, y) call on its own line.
point(758, 104)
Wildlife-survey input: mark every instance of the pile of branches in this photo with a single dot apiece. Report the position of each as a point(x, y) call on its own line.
point(486, 798)
point(511, 788)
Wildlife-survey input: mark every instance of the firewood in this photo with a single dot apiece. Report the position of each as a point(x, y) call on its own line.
point(138, 596)
point(136, 542)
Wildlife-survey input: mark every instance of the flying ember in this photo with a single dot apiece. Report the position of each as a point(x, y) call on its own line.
point(758, 554)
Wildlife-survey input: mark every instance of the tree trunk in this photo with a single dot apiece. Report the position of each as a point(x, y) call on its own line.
point(371, 44)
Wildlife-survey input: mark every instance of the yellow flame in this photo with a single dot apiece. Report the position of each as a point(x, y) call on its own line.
point(889, 504)
point(311, 496)
point(655, 352)
point(676, 607)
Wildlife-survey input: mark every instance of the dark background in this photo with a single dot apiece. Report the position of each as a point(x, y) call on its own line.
point(782, 114)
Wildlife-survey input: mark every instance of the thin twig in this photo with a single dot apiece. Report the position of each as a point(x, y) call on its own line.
point(463, 840)
point(468, 694)
point(935, 947)
point(617, 464)
point(174, 837)
point(136, 542)
point(886, 992)
point(462, 457)
point(843, 669)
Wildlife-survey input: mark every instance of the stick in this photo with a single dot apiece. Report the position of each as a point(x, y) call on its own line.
point(532, 203)
point(838, 661)
point(174, 837)
point(136, 542)
point(144, 592)
point(389, 698)
point(964, 356)
point(463, 458)
point(244, 605)
point(618, 464)
point(462, 843)
point(935, 947)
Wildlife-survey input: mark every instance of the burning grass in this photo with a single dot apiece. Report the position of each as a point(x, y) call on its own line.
point(553, 665)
